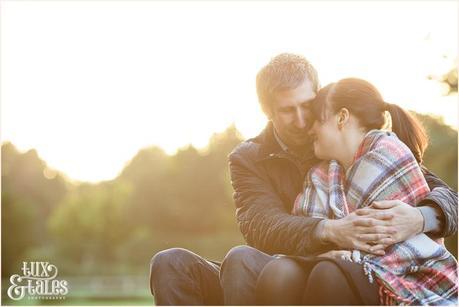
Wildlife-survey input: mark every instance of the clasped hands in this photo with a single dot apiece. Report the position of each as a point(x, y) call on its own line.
point(374, 228)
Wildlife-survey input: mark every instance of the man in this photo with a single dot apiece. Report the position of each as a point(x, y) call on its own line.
point(267, 173)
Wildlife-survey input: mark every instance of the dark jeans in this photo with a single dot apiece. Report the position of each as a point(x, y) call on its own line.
point(181, 277)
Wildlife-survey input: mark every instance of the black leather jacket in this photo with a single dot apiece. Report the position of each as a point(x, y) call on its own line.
point(266, 181)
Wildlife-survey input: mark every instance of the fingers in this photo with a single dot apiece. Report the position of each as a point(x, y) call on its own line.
point(376, 237)
point(382, 230)
point(384, 204)
point(376, 250)
point(336, 254)
point(369, 222)
point(327, 254)
point(346, 255)
point(364, 211)
point(387, 241)
point(375, 233)
point(379, 241)
point(375, 214)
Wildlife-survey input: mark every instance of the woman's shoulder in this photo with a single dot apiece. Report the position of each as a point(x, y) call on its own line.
point(383, 139)
point(376, 136)
point(383, 142)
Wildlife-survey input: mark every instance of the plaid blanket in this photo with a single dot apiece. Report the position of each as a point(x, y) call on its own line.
point(418, 271)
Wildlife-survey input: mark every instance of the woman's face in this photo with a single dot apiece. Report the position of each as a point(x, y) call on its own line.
point(326, 136)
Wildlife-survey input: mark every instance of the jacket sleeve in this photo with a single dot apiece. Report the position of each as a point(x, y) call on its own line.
point(444, 198)
point(261, 215)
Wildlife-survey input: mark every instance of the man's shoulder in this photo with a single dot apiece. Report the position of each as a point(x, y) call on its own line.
point(248, 149)
point(256, 148)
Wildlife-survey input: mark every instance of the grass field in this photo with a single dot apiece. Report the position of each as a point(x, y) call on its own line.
point(94, 290)
point(88, 301)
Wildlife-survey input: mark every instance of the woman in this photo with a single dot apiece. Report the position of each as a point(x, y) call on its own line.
point(363, 164)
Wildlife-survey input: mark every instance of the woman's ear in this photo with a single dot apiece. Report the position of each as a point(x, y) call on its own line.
point(342, 117)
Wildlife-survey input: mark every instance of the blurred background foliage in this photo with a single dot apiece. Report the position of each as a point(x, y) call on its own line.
point(448, 79)
point(158, 201)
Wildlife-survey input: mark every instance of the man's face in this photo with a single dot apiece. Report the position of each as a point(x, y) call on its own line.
point(327, 136)
point(291, 115)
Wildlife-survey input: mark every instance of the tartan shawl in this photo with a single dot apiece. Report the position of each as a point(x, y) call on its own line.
point(418, 271)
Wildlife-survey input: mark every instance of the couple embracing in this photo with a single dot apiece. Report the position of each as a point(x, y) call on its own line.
point(334, 204)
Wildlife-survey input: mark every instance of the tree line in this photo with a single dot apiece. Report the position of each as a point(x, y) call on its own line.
point(156, 202)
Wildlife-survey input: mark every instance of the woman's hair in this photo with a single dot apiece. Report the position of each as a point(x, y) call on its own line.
point(285, 71)
point(364, 101)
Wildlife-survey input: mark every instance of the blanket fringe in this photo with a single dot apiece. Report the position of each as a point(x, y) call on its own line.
point(387, 297)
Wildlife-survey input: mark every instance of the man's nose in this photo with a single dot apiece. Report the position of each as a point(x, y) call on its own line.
point(300, 120)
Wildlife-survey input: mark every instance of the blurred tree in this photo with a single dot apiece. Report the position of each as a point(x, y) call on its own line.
point(158, 201)
point(441, 154)
point(90, 225)
point(146, 162)
point(182, 198)
point(19, 229)
point(149, 174)
point(180, 190)
point(449, 79)
point(30, 192)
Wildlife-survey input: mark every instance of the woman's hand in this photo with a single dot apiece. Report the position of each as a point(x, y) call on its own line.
point(374, 228)
point(347, 233)
point(405, 219)
point(338, 254)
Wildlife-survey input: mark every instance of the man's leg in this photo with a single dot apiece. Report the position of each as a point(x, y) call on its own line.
point(239, 273)
point(180, 277)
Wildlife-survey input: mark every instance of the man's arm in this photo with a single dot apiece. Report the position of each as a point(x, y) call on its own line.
point(442, 222)
point(438, 210)
point(392, 221)
point(261, 215)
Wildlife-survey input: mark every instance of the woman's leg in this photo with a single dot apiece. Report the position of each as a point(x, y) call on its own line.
point(327, 285)
point(281, 282)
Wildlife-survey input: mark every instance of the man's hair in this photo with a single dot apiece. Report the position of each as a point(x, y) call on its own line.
point(285, 71)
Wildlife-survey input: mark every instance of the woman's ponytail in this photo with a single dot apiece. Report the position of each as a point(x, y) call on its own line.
point(409, 130)
point(364, 101)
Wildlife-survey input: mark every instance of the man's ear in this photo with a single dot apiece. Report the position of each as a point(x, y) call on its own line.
point(342, 117)
point(268, 110)
point(269, 114)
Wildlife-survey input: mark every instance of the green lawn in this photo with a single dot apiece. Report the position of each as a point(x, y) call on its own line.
point(109, 301)
point(94, 290)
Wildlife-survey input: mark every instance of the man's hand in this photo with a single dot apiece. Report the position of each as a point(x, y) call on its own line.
point(407, 221)
point(374, 228)
point(359, 232)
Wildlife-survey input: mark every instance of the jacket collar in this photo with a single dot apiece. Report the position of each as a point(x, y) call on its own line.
point(270, 147)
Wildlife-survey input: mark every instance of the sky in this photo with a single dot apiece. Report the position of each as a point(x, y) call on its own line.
point(90, 83)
